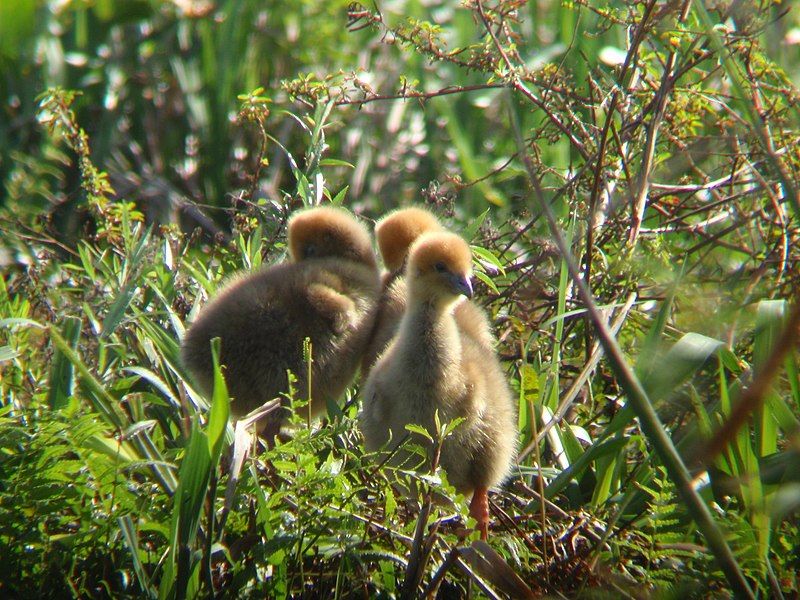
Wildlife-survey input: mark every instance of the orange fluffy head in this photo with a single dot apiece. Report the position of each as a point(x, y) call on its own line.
point(439, 268)
point(325, 232)
point(397, 231)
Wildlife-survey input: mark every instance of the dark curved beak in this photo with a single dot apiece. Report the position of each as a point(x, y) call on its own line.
point(462, 285)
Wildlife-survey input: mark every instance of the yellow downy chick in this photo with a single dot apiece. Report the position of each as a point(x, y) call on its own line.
point(395, 233)
point(431, 365)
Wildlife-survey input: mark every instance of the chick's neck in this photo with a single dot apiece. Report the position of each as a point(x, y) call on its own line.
point(430, 341)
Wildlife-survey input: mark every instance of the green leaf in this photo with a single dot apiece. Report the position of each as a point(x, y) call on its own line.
point(220, 407)
point(193, 478)
point(131, 539)
point(487, 280)
point(61, 369)
point(111, 448)
point(338, 199)
point(335, 162)
point(13, 322)
point(7, 353)
point(134, 269)
point(681, 361)
point(474, 224)
point(450, 427)
point(411, 427)
point(486, 256)
point(597, 450)
point(769, 323)
point(646, 360)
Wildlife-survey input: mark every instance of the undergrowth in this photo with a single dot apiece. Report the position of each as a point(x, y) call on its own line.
point(670, 168)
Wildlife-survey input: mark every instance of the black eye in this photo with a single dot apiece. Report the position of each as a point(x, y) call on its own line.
point(309, 251)
point(440, 267)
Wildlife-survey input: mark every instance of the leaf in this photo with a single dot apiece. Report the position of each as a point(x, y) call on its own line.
point(338, 199)
point(769, 323)
point(682, 360)
point(220, 407)
point(10, 323)
point(134, 270)
point(7, 353)
point(335, 162)
point(156, 382)
point(450, 427)
point(646, 360)
point(193, 478)
point(474, 224)
point(488, 257)
point(487, 280)
point(597, 450)
point(17, 24)
point(111, 448)
point(131, 538)
point(100, 398)
point(419, 430)
point(61, 370)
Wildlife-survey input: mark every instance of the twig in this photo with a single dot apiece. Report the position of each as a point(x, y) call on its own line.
point(516, 83)
point(667, 84)
point(580, 380)
point(639, 400)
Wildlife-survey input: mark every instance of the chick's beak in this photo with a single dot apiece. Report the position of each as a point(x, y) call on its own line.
point(462, 284)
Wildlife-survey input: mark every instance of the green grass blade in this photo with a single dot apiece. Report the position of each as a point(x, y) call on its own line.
point(193, 477)
point(100, 398)
point(652, 341)
point(133, 268)
point(769, 324)
point(129, 535)
point(61, 370)
point(682, 360)
point(794, 379)
point(220, 408)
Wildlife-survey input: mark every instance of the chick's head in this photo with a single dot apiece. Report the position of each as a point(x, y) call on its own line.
point(439, 268)
point(326, 232)
point(398, 230)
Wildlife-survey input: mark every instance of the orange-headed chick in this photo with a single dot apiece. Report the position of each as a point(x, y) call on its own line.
point(430, 366)
point(395, 233)
point(327, 291)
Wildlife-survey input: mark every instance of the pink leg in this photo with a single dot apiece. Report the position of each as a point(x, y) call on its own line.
point(479, 510)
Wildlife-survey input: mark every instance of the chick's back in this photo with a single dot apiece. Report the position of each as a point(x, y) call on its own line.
point(262, 320)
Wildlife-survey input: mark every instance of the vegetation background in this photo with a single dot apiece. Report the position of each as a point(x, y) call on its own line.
point(627, 172)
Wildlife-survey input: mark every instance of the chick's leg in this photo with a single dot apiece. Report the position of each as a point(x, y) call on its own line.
point(479, 510)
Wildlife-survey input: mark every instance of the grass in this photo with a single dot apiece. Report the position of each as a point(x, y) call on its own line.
point(655, 358)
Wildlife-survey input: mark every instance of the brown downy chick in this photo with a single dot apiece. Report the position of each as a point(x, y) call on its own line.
point(395, 233)
point(327, 292)
point(432, 366)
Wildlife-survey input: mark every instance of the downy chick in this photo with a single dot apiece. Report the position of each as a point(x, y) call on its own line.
point(395, 233)
point(430, 365)
point(327, 291)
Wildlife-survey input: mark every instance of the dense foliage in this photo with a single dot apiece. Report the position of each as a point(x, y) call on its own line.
point(627, 173)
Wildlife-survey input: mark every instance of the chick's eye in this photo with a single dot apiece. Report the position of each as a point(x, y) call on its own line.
point(309, 250)
point(440, 267)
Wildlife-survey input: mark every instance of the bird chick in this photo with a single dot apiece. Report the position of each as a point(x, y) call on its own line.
point(431, 366)
point(395, 233)
point(327, 291)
